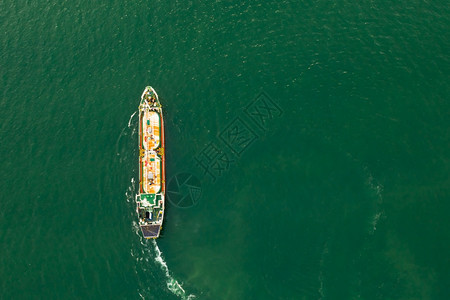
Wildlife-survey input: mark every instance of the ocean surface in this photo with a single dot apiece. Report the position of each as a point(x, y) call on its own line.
point(307, 145)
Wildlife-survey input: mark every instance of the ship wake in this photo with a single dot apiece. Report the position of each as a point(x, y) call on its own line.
point(150, 253)
point(172, 283)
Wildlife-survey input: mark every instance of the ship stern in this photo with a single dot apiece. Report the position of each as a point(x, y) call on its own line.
point(151, 231)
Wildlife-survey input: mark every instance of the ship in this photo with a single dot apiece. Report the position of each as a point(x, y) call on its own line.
point(150, 199)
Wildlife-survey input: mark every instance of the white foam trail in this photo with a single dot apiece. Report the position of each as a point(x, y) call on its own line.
point(172, 283)
point(375, 221)
point(129, 121)
point(129, 194)
point(125, 133)
point(379, 213)
point(321, 276)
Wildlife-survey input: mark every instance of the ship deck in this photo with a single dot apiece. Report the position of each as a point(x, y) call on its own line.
point(151, 163)
point(150, 199)
point(151, 124)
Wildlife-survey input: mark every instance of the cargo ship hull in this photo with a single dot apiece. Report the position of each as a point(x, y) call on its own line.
point(151, 197)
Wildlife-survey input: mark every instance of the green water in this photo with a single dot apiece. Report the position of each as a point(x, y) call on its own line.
point(343, 193)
